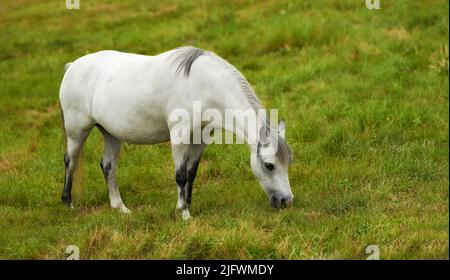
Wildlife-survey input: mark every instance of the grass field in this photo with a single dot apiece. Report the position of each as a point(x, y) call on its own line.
point(365, 96)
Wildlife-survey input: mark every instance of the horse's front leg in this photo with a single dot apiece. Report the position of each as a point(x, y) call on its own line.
point(186, 158)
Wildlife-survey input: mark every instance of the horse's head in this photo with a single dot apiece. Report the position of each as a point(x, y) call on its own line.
point(270, 161)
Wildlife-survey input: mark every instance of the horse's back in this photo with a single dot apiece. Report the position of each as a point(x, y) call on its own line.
point(114, 89)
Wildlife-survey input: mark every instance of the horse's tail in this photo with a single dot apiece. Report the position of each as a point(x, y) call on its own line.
point(78, 176)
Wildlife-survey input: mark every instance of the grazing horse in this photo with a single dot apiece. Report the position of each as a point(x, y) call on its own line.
point(130, 97)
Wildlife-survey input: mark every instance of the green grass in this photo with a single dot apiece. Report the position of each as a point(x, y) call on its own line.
point(365, 96)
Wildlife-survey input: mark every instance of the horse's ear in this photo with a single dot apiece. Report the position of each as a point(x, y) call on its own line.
point(281, 129)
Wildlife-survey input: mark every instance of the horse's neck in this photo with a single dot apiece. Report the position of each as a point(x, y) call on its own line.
point(245, 129)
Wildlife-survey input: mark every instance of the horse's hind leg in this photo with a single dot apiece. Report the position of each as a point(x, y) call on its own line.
point(75, 142)
point(108, 165)
point(186, 158)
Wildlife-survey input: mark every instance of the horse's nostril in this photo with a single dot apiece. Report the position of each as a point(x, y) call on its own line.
point(286, 202)
point(274, 201)
point(278, 202)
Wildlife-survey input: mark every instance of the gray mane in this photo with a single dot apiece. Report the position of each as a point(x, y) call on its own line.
point(185, 57)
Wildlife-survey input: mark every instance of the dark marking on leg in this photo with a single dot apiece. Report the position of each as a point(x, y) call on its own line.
point(181, 175)
point(192, 173)
point(66, 196)
point(106, 168)
point(66, 161)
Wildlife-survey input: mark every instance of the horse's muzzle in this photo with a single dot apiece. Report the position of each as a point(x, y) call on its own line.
point(281, 201)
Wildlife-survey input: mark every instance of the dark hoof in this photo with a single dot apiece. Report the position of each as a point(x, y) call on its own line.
point(67, 200)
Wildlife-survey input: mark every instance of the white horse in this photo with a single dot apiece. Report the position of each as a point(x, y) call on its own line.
point(129, 97)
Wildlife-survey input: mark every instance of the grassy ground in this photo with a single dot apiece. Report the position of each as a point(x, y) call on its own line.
point(364, 93)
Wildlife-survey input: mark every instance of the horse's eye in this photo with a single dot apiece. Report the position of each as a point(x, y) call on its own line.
point(269, 166)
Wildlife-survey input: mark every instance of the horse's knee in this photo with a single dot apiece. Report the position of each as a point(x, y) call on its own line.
point(106, 168)
point(66, 160)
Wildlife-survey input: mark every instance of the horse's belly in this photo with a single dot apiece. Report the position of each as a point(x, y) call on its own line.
point(131, 119)
point(147, 136)
point(136, 130)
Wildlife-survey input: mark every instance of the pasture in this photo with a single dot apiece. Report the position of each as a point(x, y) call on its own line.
point(364, 94)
